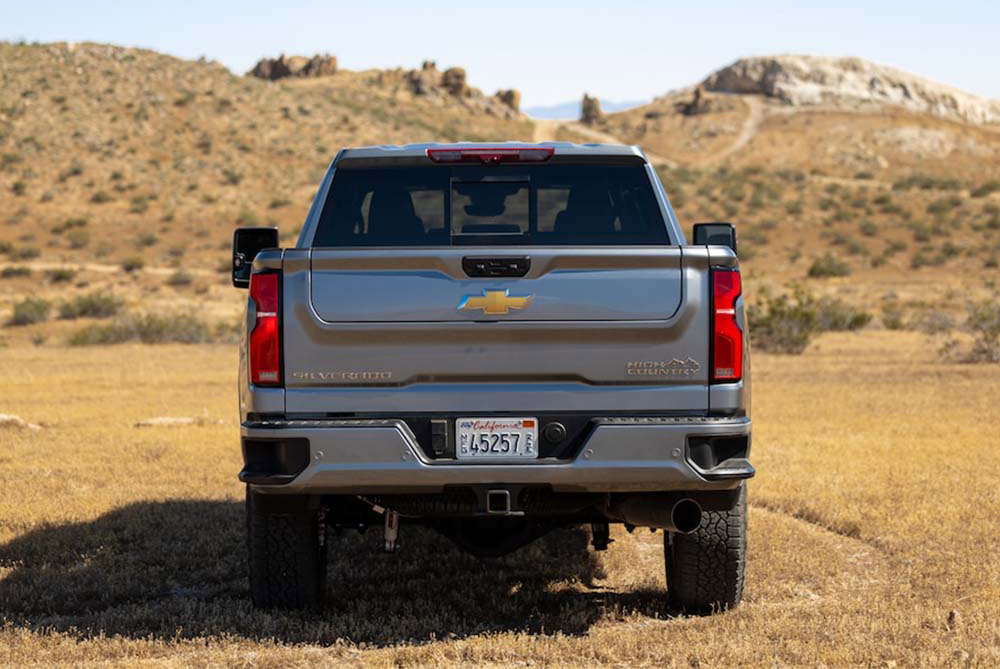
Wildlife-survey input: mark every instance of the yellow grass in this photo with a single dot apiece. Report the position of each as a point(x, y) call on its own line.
point(874, 516)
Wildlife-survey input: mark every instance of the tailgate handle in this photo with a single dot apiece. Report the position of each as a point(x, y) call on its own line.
point(491, 266)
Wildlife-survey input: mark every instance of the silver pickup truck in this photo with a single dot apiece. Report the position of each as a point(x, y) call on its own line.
point(494, 341)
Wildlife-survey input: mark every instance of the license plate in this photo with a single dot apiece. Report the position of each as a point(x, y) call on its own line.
point(496, 438)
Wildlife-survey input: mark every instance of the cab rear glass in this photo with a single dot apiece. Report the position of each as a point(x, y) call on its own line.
point(472, 205)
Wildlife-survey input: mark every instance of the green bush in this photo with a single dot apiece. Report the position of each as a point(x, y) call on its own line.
point(837, 316)
point(26, 253)
point(828, 265)
point(944, 205)
point(139, 204)
point(29, 311)
point(925, 182)
point(6, 247)
point(78, 239)
point(146, 328)
point(987, 188)
point(280, 202)
point(146, 240)
point(133, 264)
point(794, 207)
point(15, 271)
point(782, 323)
point(94, 305)
point(100, 197)
point(60, 275)
point(868, 229)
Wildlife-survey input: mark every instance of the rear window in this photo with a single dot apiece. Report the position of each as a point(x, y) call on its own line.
point(470, 205)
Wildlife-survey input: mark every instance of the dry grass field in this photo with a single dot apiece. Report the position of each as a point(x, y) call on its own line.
point(873, 535)
point(874, 517)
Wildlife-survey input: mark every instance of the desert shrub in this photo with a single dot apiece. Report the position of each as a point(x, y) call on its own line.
point(837, 316)
point(924, 182)
point(921, 232)
point(792, 175)
point(782, 323)
point(6, 247)
point(892, 315)
point(138, 204)
point(984, 321)
point(100, 197)
point(74, 170)
point(93, 305)
point(280, 202)
point(146, 328)
point(60, 275)
point(794, 207)
point(828, 265)
point(868, 229)
point(26, 253)
point(29, 311)
point(145, 240)
point(865, 175)
point(133, 264)
point(180, 278)
point(987, 188)
point(18, 187)
point(14, 271)
point(186, 98)
point(231, 177)
point(69, 224)
point(78, 238)
point(944, 205)
point(932, 322)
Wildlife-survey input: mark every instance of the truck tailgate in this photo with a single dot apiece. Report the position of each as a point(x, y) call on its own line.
point(606, 329)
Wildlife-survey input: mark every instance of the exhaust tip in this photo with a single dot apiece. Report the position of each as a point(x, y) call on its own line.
point(686, 516)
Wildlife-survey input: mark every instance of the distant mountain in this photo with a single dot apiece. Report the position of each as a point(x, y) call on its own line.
point(571, 110)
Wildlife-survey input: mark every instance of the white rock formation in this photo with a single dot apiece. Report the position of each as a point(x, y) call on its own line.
point(851, 83)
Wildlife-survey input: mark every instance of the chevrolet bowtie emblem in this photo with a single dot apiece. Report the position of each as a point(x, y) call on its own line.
point(494, 302)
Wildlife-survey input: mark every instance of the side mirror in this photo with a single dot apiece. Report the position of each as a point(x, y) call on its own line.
point(715, 234)
point(247, 243)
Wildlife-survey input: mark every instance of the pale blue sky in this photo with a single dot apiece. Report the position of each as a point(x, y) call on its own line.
point(551, 51)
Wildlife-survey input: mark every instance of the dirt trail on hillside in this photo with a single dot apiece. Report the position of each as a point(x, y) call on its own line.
point(751, 124)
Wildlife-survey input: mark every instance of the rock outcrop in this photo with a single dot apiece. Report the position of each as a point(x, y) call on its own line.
point(449, 87)
point(590, 110)
point(510, 97)
point(320, 65)
point(848, 82)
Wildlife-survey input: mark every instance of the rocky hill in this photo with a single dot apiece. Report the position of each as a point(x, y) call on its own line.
point(848, 83)
point(125, 171)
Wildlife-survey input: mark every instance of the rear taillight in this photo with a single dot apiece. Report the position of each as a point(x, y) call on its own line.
point(727, 338)
point(487, 156)
point(265, 338)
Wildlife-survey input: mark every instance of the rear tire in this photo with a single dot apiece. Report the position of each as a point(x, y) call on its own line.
point(287, 560)
point(705, 569)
